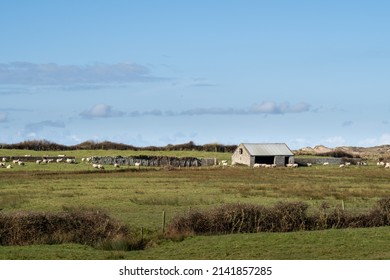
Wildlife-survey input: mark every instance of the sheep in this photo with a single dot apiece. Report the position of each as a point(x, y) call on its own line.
point(2, 164)
point(59, 160)
point(137, 164)
point(326, 163)
point(95, 165)
point(256, 165)
point(20, 162)
point(116, 165)
point(309, 164)
point(15, 161)
point(4, 159)
point(70, 160)
point(9, 166)
point(342, 165)
point(387, 165)
point(380, 163)
point(38, 161)
point(347, 164)
point(100, 166)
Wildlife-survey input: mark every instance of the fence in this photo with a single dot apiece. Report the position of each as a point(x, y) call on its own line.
point(156, 161)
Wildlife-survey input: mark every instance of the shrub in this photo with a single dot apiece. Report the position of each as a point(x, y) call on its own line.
point(90, 227)
point(282, 217)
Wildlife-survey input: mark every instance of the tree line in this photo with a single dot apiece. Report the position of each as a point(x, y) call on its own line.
point(45, 145)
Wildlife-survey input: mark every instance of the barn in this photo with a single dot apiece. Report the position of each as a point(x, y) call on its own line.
point(262, 153)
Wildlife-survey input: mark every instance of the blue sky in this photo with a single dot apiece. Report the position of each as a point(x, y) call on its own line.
point(165, 72)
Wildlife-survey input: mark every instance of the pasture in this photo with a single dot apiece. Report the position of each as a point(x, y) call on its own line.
point(138, 197)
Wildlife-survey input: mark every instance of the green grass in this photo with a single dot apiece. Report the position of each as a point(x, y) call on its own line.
point(138, 197)
point(345, 244)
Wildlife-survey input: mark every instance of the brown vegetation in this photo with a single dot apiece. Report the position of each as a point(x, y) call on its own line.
point(89, 227)
point(283, 217)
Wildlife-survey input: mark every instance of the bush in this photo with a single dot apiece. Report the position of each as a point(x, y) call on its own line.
point(90, 227)
point(283, 217)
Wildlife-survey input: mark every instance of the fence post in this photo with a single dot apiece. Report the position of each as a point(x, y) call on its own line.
point(163, 222)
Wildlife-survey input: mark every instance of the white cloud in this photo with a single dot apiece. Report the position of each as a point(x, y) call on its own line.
point(264, 108)
point(281, 108)
point(335, 141)
point(383, 139)
point(51, 74)
point(3, 117)
point(101, 111)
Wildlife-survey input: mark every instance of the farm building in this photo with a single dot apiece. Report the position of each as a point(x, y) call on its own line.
point(262, 153)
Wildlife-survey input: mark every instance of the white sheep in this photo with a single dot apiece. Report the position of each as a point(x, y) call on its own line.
point(70, 160)
point(116, 165)
point(309, 164)
point(20, 162)
point(341, 165)
point(59, 160)
point(9, 166)
point(326, 163)
point(38, 161)
point(4, 159)
point(387, 165)
point(137, 164)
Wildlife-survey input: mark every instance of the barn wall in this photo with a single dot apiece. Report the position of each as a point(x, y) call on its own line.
point(243, 158)
point(279, 160)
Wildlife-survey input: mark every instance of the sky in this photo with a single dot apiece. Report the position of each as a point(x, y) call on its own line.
point(143, 73)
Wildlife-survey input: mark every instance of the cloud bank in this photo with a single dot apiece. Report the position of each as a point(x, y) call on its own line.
point(51, 74)
point(101, 111)
point(264, 108)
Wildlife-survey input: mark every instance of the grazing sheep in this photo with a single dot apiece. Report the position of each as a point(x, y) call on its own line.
point(116, 165)
point(20, 162)
point(137, 164)
point(326, 163)
point(38, 161)
point(9, 166)
point(59, 160)
point(70, 160)
point(95, 165)
point(342, 165)
point(387, 165)
point(4, 159)
point(309, 164)
point(100, 166)
point(256, 165)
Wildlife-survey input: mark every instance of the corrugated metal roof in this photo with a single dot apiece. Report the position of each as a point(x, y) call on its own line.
point(268, 149)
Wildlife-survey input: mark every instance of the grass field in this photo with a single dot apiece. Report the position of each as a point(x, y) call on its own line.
point(138, 197)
